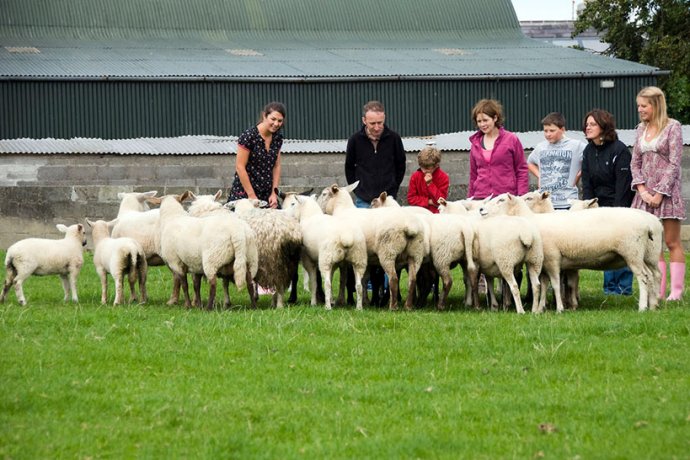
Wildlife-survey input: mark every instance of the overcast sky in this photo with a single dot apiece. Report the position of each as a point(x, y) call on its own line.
point(537, 10)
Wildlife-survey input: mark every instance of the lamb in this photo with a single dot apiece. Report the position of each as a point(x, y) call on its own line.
point(214, 245)
point(504, 243)
point(392, 236)
point(135, 220)
point(450, 242)
point(278, 237)
point(39, 256)
point(118, 256)
point(327, 242)
point(596, 239)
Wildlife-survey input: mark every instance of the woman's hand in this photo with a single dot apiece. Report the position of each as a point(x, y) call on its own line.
point(273, 200)
point(655, 200)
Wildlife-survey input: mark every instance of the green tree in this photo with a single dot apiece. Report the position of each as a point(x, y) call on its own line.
point(651, 32)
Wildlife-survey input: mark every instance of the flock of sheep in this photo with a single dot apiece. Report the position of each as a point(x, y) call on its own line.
point(252, 246)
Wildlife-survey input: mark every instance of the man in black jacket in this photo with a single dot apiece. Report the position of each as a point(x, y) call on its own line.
point(375, 157)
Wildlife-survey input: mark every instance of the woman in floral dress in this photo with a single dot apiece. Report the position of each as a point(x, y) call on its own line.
point(257, 167)
point(656, 176)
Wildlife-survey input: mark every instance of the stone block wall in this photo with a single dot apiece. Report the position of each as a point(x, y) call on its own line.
point(39, 191)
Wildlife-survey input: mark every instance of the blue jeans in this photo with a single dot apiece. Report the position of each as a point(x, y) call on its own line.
point(360, 203)
point(618, 281)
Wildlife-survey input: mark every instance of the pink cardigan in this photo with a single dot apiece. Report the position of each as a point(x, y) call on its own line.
point(506, 171)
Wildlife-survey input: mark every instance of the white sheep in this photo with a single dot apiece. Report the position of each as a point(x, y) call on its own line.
point(135, 220)
point(450, 240)
point(119, 257)
point(278, 239)
point(215, 245)
point(596, 239)
point(40, 256)
point(469, 208)
point(393, 237)
point(327, 242)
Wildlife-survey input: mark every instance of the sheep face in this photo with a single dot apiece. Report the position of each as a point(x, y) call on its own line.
point(76, 231)
point(539, 202)
point(501, 205)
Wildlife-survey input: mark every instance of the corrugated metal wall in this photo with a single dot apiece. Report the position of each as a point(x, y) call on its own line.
point(319, 110)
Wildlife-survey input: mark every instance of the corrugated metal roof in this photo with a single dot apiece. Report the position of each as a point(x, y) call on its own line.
point(185, 59)
point(216, 145)
point(219, 18)
point(298, 40)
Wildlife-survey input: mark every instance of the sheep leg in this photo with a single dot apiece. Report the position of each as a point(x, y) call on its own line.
point(358, 271)
point(393, 282)
point(212, 282)
point(327, 276)
point(19, 287)
point(412, 269)
point(533, 274)
point(293, 287)
point(182, 280)
point(344, 278)
point(555, 278)
point(175, 295)
point(9, 280)
point(143, 273)
point(491, 295)
point(118, 278)
point(225, 280)
point(251, 290)
point(447, 285)
point(74, 272)
point(132, 277)
point(544, 280)
point(509, 277)
point(196, 280)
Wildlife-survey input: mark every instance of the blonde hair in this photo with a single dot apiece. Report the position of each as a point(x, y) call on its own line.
point(429, 156)
point(657, 100)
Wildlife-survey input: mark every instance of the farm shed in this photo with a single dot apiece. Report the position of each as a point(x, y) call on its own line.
point(136, 68)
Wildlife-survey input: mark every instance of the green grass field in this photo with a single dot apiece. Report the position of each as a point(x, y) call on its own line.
point(155, 381)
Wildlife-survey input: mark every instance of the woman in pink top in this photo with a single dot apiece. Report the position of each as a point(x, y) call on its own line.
point(497, 159)
point(656, 176)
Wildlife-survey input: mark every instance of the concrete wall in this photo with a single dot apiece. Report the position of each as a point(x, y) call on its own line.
point(39, 191)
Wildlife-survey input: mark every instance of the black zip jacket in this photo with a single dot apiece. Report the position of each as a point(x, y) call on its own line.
point(377, 171)
point(606, 174)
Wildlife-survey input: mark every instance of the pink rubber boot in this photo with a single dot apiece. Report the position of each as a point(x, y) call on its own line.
point(662, 269)
point(677, 280)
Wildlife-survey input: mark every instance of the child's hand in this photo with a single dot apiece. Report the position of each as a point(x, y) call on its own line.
point(427, 178)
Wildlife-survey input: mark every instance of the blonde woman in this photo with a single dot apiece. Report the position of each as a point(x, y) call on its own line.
point(656, 177)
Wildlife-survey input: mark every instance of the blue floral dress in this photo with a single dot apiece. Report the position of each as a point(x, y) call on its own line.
point(259, 166)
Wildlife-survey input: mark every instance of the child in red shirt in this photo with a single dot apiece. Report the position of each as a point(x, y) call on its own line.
point(429, 182)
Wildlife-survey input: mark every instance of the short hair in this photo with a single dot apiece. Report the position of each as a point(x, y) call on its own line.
point(429, 156)
point(372, 106)
point(605, 120)
point(490, 107)
point(274, 107)
point(657, 99)
point(554, 118)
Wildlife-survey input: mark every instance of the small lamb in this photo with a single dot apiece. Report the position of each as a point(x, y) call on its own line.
point(40, 256)
point(118, 256)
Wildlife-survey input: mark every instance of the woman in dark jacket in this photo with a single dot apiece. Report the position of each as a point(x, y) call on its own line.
point(606, 176)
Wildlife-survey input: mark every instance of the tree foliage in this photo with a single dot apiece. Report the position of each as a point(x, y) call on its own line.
point(651, 32)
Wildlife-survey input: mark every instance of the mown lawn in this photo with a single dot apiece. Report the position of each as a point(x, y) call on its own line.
point(155, 381)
